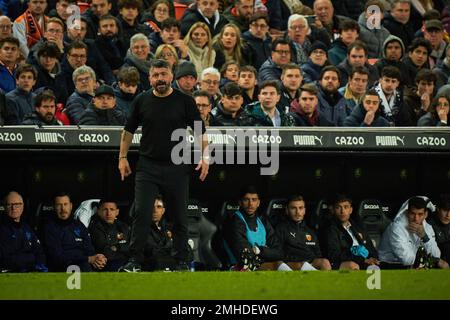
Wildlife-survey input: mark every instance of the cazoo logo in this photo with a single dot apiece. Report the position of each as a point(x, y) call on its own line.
point(10, 137)
point(431, 141)
point(93, 137)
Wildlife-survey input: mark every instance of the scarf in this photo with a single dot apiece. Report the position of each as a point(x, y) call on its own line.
point(391, 107)
point(142, 65)
point(202, 58)
point(33, 29)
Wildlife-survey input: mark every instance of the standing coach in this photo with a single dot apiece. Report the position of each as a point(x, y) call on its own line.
point(160, 110)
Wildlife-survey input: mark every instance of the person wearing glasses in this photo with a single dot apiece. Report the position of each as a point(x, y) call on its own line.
point(85, 84)
point(102, 111)
point(209, 82)
point(5, 27)
point(258, 38)
point(140, 57)
point(20, 249)
point(203, 102)
point(76, 57)
point(281, 55)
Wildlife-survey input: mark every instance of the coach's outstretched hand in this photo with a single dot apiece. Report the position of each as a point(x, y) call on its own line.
point(124, 168)
point(204, 166)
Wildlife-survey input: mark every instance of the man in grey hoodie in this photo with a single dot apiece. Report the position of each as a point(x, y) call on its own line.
point(393, 52)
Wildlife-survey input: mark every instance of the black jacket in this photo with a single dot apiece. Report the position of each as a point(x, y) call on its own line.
point(220, 119)
point(35, 119)
point(76, 106)
point(192, 15)
point(403, 31)
point(356, 118)
point(236, 238)
point(113, 50)
point(299, 242)
point(99, 117)
point(158, 246)
point(20, 249)
point(67, 243)
point(339, 243)
point(442, 233)
point(259, 48)
point(110, 239)
point(18, 104)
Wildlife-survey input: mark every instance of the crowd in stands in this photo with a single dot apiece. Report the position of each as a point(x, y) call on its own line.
point(369, 63)
point(249, 239)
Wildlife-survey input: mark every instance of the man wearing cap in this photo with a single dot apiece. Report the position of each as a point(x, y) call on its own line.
point(186, 78)
point(161, 111)
point(102, 111)
point(434, 32)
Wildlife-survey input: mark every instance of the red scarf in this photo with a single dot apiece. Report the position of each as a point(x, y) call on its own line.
point(34, 31)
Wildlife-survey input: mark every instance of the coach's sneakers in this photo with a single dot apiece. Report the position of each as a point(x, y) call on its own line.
point(181, 266)
point(131, 266)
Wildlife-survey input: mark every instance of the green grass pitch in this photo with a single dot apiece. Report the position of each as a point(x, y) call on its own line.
point(398, 284)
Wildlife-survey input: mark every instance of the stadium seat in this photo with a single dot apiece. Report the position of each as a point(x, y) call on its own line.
point(83, 6)
point(371, 214)
point(227, 209)
point(43, 212)
point(276, 210)
point(179, 10)
point(207, 230)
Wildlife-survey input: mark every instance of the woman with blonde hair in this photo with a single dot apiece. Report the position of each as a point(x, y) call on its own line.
point(200, 50)
point(169, 53)
point(228, 45)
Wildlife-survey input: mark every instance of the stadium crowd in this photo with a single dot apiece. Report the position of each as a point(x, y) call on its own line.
point(259, 62)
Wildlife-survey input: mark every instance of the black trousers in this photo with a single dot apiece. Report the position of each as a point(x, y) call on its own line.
point(172, 182)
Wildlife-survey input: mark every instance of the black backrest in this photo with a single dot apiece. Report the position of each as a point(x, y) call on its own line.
point(226, 211)
point(276, 210)
point(206, 253)
point(373, 218)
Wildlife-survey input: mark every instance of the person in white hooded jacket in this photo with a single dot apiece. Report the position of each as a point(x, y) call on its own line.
point(408, 232)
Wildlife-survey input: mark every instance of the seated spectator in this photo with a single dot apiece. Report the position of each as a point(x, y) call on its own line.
point(168, 53)
point(264, 111)
point(229, 111)
point(19, 102)
point(200, 50)
point(409, 241)
point(331, 102)
point(305, 110)
point(300, 244)
point(67, 240)
point(3, 111)
point(442, 70)
point(291, 80)
point(418, 99)
point(203, 102)
point(434, 33)
point(209, 82)
point(438, 114)
point(417, 59)
point(317, 61)
point(140, 57)
point(102, 111)
point(60, 11)
point(441, 226)
point(349, 32)
point(158, 12)
point(129, 11)
point(126, 89)
point(249, 231)
point(185, 78)
point(98, 9)
point(170, 34)
point(393, 53)
point(76, 57)
point(229, 73)
point(85, 84)
point(110, 236)
point(20, 249)
point(258, 39)
point(5, 27)
point(228, 45)
point(357, 57)
point(368, 113)
point(240, 13)
point(297, 33)
point(348, 244)
point(44, 110)
point(205, 11)
point(392, 106)
point(248, 83)
point(373, 37)
point(109, 42)
point(281, 55)
point(9, 55)
point(355, 89)
point(398, 22)
point(158, 250)
point(328, 19)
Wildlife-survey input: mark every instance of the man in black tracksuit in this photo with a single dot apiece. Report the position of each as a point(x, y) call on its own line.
point(441, 226)
point(348, 245)
point(20, 249)
point(67, 240)
point(162, 111)
point(245, 229)
point(110, 236)
point(299, 242)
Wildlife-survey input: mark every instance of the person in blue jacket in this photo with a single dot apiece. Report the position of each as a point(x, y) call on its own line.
point(67, 240)
point(367, 114)
point(20, 249)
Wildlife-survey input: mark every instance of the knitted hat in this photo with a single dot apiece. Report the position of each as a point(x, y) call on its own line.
point(186, 69)
point(318, 45)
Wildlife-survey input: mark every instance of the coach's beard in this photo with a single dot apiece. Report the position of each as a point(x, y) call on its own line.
point(162, 87)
